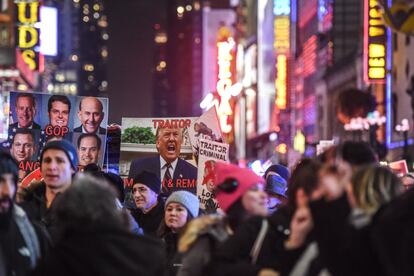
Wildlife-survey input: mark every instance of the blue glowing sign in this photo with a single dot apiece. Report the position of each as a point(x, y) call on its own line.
point(281, 7)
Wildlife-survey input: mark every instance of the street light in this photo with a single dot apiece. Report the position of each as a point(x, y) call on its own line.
point(356, 126)
point(371, 123)
point(403, 128)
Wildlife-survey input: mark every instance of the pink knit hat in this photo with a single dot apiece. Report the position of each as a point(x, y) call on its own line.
point(245, 179)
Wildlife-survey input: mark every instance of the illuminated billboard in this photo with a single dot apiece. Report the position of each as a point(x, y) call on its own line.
point(375, 43)
point(48, 31)
point(27, 38)
point(266, 61)
point(281, 11)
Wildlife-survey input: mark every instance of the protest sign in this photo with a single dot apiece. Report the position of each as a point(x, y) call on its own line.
point(209, 153)
point(36, 118)
point(152, 144)
point(205, 127)
point(323, 145)
point(399, 167)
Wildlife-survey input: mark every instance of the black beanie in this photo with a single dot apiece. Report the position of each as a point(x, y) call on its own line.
point(150, 180)
point(64, 146)
point(8, 165)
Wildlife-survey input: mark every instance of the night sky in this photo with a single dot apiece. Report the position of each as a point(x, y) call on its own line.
point(130, 45)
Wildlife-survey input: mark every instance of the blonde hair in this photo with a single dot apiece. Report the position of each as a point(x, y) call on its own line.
point(373, 186)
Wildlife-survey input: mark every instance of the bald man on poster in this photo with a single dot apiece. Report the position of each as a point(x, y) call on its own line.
point(90, 115)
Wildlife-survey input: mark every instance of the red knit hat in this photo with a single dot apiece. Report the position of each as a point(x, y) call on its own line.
point(245, 180)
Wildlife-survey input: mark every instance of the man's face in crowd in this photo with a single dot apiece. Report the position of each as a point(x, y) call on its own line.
point(88, 151)
point(25, 111)
point(59, 114)
point(169, 143)
point(144, 197)
point(275, 201)
point(7, 191)
point(23, 147)
point(56, 169)
point(91, 114)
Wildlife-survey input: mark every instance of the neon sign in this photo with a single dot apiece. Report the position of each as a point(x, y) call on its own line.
point(281, 7)
point(225, 83)
point(281, 80)
point(281, 45)
point(375, 43)
point(28, 32)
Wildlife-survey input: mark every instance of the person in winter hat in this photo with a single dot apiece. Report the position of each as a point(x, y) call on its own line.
point(180, 208)
point(240, 190)
point(240, 194)
point(149, 211)
point(276, 177)
point(95, 238)
point(58, 163)
point(17, 233)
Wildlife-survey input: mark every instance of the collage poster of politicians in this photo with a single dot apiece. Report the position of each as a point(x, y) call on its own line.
point(36, 118)
point(158, 145)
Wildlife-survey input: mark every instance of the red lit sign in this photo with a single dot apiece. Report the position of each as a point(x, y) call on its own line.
point(225, 83)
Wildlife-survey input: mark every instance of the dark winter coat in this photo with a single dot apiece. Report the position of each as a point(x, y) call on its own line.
point(393, 236)
point(34, 203)
point(22, 244)
point(170, 240)
point(344, 249)
point(106, 252)
point(150, 221)
point(233, 257)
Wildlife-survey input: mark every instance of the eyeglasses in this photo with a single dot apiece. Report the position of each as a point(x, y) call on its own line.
point(228, 186)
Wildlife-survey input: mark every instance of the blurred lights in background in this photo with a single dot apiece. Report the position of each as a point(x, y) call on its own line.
point(281, 148)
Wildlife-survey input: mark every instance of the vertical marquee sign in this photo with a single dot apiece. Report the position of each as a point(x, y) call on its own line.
point(281, 12)
point(226, 86)
point(28, 32)
point(375, 43)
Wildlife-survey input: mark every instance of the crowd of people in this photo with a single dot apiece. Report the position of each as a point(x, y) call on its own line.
point(340, 213)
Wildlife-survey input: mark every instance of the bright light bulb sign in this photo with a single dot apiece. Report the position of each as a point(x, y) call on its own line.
point(375, 43)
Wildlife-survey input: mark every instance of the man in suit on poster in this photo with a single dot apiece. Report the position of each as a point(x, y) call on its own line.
point(90, 115)
point(174, 172)
point(25, 108)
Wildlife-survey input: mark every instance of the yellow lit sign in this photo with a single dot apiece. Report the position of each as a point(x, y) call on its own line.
point(375, 39)
point(281, 34)
point(281, 80)
point(28, 34)
point(299, 142)
point(281, 45)
point(281, 148)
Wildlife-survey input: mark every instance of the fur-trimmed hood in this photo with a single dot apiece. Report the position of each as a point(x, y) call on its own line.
point(214, 225)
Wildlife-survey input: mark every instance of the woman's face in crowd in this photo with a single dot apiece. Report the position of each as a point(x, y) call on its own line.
point(175, 216)
point(255, 201)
